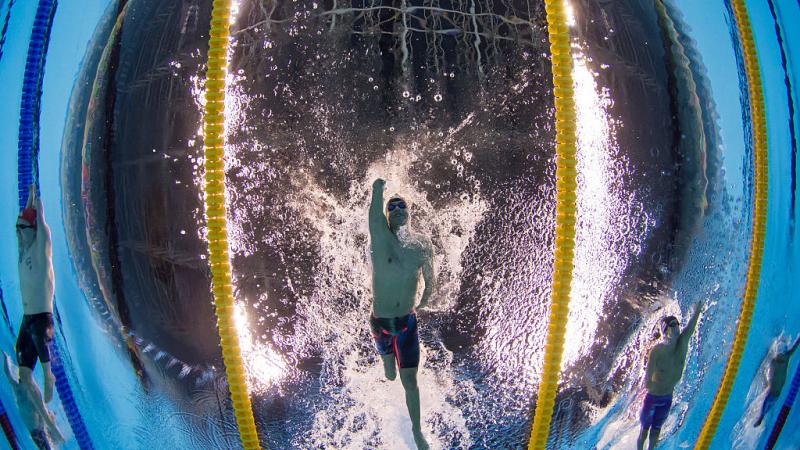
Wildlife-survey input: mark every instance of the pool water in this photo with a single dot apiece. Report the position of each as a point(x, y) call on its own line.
point(451, 102)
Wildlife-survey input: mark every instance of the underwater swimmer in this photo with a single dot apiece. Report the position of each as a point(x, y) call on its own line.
point(397, 260)
point(776, 378)
point(664, 370)
point(35, 266)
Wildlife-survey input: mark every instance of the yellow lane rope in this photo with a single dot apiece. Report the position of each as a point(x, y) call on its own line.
point(566, 184)
point(214, 187)
point(758, 117)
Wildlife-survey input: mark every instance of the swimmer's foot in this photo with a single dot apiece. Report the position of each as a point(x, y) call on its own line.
point(389, 368)
point(49, 382)
point(419, 439)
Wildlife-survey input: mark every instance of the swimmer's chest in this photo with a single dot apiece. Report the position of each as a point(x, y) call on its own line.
point(396, 256)
point(668, 364)
point(27, 265)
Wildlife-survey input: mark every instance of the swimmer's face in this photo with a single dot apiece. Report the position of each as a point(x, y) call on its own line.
point(25, 232)
point(671, 328)
point(397, 212)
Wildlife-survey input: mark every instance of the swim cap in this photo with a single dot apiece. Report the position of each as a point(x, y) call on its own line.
point(29, 215)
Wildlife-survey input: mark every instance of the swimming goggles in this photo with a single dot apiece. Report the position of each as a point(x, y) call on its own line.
point(392, 206)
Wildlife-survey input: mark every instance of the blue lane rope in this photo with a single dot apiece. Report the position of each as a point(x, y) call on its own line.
point(784, 414)
point(28, 138)
point(68, 400)
point(28, 173)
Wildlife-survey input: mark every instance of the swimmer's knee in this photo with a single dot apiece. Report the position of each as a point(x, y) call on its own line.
point(389, 367)
point(25, 373)
point(409, 377)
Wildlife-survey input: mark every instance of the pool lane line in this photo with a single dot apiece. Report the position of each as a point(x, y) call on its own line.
point(760, 180)
point(566, 184)
point(27, 174)
point(784, 413)
point(28, 135)
point(5, 28)
point(216, 220)
point(8, 430)
point(792, 131)
point(74, 416)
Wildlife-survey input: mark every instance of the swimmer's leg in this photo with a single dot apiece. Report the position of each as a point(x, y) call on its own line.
point(389, 366)
point(642, 437)
point(49, 382)
point(409, 378)
point(42, 334)
point(765, 407)
point(654, 433)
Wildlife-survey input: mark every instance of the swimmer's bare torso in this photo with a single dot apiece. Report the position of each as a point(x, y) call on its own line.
point(35, 265)
point(666, 360)
point(397, 262)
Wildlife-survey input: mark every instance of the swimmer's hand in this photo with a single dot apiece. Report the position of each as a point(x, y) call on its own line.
point(698, 307)
point(380, 183)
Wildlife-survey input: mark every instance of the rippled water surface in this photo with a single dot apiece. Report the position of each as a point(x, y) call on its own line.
point(451, 102)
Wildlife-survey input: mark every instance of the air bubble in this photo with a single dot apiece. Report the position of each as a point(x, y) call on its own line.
point(371, 79)
point(406, 94)
point(437, 97)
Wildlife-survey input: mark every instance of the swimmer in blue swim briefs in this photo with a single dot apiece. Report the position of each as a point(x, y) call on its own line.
point(398, 257)
point(776, 377)
point(664, 369)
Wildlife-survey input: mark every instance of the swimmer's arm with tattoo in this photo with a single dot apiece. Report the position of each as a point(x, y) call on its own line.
point(377, 220)
point(683, 339)
point(427, 275)
point(42, 230)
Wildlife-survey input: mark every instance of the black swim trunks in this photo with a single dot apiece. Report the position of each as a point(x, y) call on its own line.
point(398, 336)
point(655, 410)
point(35, 333)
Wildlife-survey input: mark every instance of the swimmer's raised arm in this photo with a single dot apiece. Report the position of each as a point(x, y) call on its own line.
point(376, 217)
point(42, 230)
point(31, 196)
point(683, 339)
point(794, 346)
